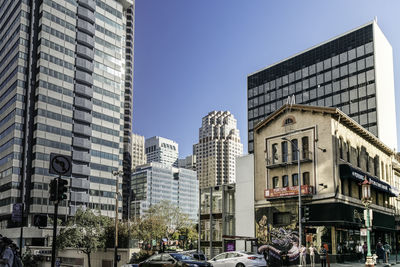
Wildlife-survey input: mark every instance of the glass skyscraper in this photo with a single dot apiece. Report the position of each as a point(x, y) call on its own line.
point(155, 182)
point(353, 72)
point(66, 83)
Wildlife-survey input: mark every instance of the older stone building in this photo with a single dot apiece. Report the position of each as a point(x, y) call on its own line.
point(336, 154)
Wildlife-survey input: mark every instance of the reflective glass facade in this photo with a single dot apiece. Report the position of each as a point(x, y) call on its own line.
point(339, 73)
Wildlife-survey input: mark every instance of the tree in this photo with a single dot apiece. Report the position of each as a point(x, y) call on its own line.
point(84, 232)
point(171, 216)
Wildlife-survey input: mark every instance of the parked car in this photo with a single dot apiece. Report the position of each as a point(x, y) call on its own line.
point(172, 260)
point(198, 255)
point(238, 259)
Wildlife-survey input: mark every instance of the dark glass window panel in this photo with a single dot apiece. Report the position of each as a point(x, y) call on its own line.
point(335, 73)
point(352, 67)
point(371, 103)
point(295, 179)
point(328, 101)
point(335, 61)
point(328, 76)
point(305, 84)
point(360, 51)
point(369, 62)
point(275, 182)
point(320, 66)
point(285, 181)
point(353, 80)
point(311, 69)
point(362, 91)
point(370, 75)
point(284, 151)
point(328, 88)
point(343, 71)
point(345, 96)
point(312, 81)
point(343, 57)
point(370, 89)
point(344, 83)
point(336, 86)
point(361, 63)
point(306, 178)
point(352, 54)
point(336, 99)
point(305, 72)
point(327, 63)
point(294, 149)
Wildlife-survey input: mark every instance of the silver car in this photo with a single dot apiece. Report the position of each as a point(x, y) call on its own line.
point(238, 259)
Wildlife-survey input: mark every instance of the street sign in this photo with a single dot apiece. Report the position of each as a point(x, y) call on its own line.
point(363, 231)
point(16, 215)
point(60, 165)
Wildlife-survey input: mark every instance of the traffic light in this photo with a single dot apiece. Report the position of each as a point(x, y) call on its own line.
point(40, 220)
point(306, 213)
point(53, 190)
point(62, 189)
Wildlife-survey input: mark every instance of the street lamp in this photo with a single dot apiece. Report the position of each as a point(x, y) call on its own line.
point(299, 183)
point(367, 200)
point(116, 174)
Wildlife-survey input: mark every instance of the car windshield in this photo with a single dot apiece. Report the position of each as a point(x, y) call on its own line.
point(181, 257)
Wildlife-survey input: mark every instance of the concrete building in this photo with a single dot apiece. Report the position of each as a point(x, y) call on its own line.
point(162, 150)
point(138, 151)
point(154, 182)
point(353, 72)
point(336, 154)
point(65, 87)
point(188, 163)
point(244, 202)
point(217, 149)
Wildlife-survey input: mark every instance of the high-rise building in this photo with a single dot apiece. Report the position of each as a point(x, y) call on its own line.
point(162, 150)
point(219, 145)
point(179, 186)
point(66, 77)
point(353, 72)
point(138, 154)
point(188, 163)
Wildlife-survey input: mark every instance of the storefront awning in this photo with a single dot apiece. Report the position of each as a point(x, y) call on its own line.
point(349, 172)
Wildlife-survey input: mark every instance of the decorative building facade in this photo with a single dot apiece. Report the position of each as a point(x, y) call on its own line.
point(162, 150)
point(138, 151)
point(155, 182)
point(65, 87)
point(335, 154)
point(353, 72)
point(217, 149)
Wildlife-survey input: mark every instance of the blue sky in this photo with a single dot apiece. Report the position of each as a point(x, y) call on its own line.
point(193, 56)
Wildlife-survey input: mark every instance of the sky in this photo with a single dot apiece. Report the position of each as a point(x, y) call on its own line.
point(194, 56)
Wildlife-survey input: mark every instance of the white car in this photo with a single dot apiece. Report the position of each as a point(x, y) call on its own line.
point(238, 259)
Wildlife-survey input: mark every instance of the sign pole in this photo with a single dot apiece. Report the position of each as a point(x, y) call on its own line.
point(53, 248)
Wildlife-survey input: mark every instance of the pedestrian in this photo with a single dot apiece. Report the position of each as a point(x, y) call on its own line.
point(322, 256)
point(312, 250)
point(365, 251)
point(303, 253)
point(387, 250)
point(339, 252)
point(379, 251)
point(6, 254)
point(360, 252)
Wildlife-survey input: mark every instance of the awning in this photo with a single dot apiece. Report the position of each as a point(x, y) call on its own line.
point(349, 172)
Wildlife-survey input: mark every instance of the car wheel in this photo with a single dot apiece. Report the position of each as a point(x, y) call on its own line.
point(240, 265)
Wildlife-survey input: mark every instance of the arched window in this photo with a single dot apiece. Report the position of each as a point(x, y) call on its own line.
point(295, 146)
point(305, 147)
point(306, 178)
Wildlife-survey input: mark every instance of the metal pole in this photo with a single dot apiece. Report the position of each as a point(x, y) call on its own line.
point(53, 249)
point(22, 229)
point(211, 223)
point(199, 227)
point(299, 177)
point(116, 221)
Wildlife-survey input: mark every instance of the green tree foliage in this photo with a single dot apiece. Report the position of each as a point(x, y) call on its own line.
point(86, 232)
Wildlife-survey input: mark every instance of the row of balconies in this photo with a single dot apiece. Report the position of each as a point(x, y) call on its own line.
point(280, 160)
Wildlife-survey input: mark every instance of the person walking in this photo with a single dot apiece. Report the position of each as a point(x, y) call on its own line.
point(339, 252)
point(303, 253)
point(387, 249)
point(360, 252)
point(6, 254)
point(365, 250)
point(312, 250)
point(322, 256)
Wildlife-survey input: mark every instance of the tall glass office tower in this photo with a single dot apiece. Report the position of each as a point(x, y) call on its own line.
point(353, 72)
point(66, 77)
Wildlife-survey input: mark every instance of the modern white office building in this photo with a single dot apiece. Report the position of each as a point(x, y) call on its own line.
point(353, 72)
point(155, 182)
point(162, 150)
point(219, 145)
point(188, 163)
point(138, 151)
point(66, 77)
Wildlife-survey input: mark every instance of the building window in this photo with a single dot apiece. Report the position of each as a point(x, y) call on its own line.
point(295, 179)
point(275, 182)
point(306, 178)
point(288, 121)
point(358, 157)
point(294, 149)
point(284, 151)
point(281, 218)
point(305, 146)
point(274, 152)
point(348, 152)
point(341, 148)
point(285, 181)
